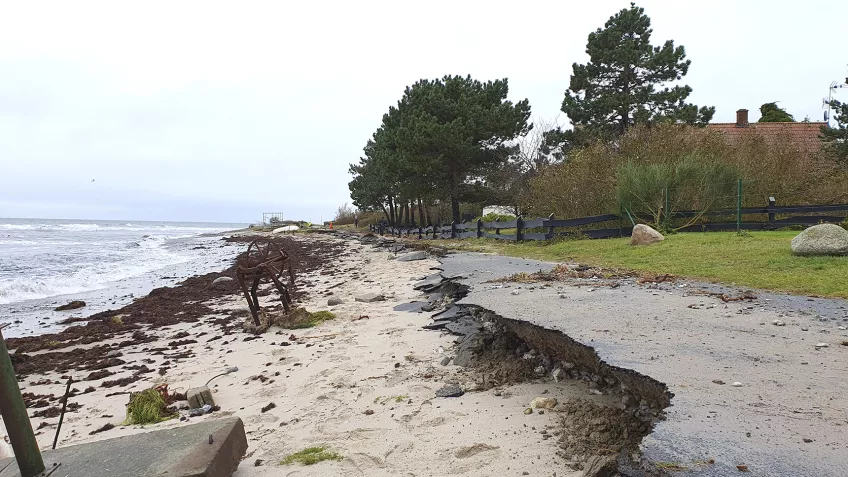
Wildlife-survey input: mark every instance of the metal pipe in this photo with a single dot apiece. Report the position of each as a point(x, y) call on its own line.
point(62, 415)
point(15, 418)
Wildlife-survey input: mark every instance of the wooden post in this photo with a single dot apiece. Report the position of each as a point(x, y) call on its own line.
point(479, 228)
point(771, 213)
point(420, 232)
point(435, 231)
point(453, 230)
point(550, 229)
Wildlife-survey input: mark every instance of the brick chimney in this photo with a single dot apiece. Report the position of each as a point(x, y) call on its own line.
point(742, 118)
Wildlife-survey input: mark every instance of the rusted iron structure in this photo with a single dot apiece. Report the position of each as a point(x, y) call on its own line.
point(264, 259)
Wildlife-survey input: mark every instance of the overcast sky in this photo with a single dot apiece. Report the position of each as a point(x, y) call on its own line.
point(213, 111)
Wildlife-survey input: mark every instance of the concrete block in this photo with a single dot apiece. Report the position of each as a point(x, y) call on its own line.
point(212, 448)
point(197, 397)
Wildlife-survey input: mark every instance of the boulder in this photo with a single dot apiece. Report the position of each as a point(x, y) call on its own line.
point(544, 402)
point(408, 257)
point(221, 281)
point(334, 300)
point(286, 228)
point(70, 306)
point(370, 298)
point(645, 235)
point(822, 239)
point(449, 390)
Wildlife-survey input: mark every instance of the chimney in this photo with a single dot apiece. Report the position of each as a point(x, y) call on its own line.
point(742, 118)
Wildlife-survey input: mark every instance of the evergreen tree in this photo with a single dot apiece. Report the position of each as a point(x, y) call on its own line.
point(771, 113)
point(626, 82)
point(836, 139)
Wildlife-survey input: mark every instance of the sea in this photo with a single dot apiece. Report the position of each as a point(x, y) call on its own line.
point(106, 263)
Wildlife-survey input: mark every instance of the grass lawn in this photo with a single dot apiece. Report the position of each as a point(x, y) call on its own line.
point(759, 260)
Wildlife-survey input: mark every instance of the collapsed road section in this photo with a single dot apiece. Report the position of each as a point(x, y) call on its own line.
point(755, 389)
point(728, 380)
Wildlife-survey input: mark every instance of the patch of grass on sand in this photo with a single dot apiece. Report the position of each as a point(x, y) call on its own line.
point(146, 407)
point(758, 260)
point(311, 455)
point(299, 318)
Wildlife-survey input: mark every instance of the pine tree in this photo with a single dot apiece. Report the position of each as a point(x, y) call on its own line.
point(626, 82)
point(771, 113)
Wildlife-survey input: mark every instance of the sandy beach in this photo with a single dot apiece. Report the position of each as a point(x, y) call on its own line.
point(362, 385)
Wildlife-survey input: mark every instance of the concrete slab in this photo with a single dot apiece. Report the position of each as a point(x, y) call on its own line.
point(179, 452)
point(787, 419)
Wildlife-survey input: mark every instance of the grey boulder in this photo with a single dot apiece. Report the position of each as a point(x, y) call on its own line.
point(645, 235)
point(221, 281)
point(333, 301)
point(822, 239)
point(408, 257)
point(370, 298)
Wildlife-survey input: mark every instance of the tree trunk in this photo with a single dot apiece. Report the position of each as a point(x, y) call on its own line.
point(421, 213)
point(427, 210)
point(455, 209)
point(392, 221)
point(412, 211)
point(385, 212)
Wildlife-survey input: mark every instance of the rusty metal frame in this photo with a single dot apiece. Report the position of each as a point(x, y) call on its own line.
point(264, 259)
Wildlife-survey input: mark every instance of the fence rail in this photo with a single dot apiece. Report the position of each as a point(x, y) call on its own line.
point(531, 229)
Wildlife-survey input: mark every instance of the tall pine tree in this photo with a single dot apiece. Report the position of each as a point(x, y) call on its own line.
point(626, 82)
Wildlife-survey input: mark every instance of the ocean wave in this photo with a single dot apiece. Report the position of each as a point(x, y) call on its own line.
point(83, 227)
point(68, 278)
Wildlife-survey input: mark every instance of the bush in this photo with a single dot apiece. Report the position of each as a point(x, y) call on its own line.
point(495, 218)
point(585, 182)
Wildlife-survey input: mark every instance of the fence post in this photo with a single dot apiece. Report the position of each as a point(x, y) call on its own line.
point(550, 228)
point(13, 410)
point(665, 210)
point(420, 232)
point(771, 213)
point(739, 207)
point(518, 226)
point(479, 228)
point(453, 230)
point(435, 231)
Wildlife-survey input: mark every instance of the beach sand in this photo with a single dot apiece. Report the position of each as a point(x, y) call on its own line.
point(362, 385)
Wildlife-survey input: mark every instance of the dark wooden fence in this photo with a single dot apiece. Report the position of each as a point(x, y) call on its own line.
point(545, 229)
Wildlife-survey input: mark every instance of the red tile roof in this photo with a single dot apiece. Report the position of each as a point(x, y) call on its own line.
point(804, 135)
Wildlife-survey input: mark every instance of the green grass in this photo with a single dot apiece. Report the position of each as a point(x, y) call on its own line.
point(311, 455)
point(758, 260)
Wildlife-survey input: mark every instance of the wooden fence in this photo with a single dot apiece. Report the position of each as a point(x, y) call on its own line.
point(548, 228)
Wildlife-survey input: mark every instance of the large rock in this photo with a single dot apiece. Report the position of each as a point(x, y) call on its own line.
point(370, 298)
point(408, 257)
point(822, 239)
point(70, 306)
point(334, 301)
point(221, 281)
point(644, 235)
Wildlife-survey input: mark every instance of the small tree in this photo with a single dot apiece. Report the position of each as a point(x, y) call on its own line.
point(771, 113)
point(836, 139)
point(696, 182)
point(345, 214)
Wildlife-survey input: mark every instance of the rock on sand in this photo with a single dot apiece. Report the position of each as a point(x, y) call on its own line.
point(544, 402)
point(644, 235)
point(409, 257)
point(822, 239)
point(370, 298)
point(70, 306)
point(334, 300)
point(287, 228)
point(220, 281)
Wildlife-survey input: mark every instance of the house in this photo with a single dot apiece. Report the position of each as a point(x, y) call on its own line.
point(804, 135)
